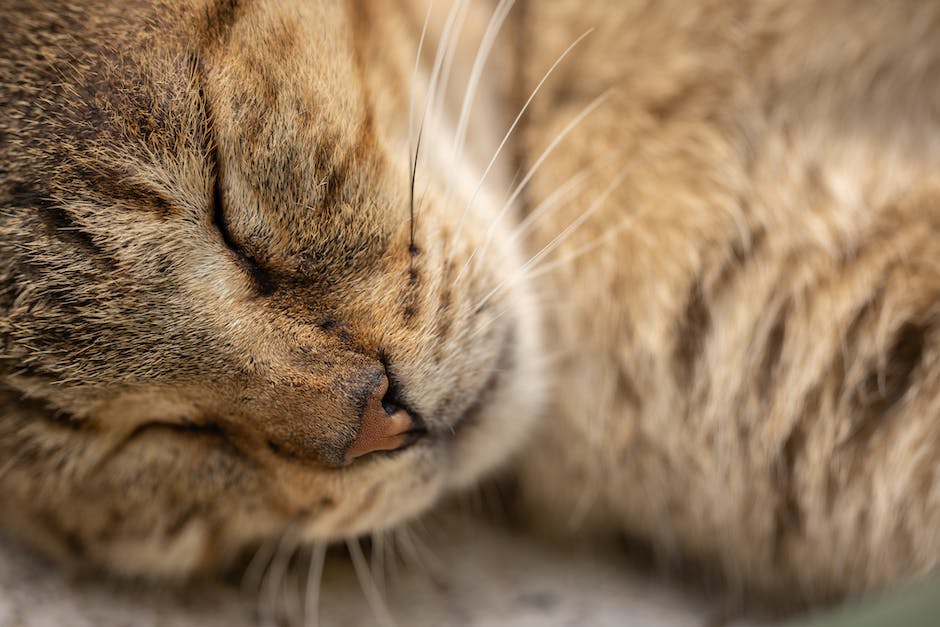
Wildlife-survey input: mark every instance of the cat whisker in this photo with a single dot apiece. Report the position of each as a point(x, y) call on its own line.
point(412, 148)
point(543, 268)
point(395, 560)
point(377, 560)
point(577, 222)
point(556, 241)
point(429, 102)
point(436, 565)
point(574, 225)
point(438, 92)
point(594, 104)
point(551, 203)
point(512, 128)
point(258, 566)
point(369, 588)
point(549, 265)
point(272, 583)
point(434, 78)
point(493, 28)
point(546, 267)
point(313, 584)
point(411, 196)
point(447, 70)
point(542, 306)
point(407, 547)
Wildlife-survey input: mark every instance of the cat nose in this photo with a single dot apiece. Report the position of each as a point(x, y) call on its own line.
point(384, 426)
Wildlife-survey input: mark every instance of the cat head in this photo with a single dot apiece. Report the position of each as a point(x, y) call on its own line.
point(230, 307)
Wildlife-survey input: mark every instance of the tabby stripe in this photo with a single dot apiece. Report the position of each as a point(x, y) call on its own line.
point(58, 222)
point(694, 326)
point(881, 390)
point(788, 514)
point(740, 254)
point(220, 18)
point(773, 351)
point(444, 314)
point(117, 187)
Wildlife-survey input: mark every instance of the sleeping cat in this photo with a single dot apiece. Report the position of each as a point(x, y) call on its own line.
point(273, 267)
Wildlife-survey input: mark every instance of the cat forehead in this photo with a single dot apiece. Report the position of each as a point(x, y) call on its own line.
point(302, 162)
point(287, 55)
point(140, 96)
point(287, 142)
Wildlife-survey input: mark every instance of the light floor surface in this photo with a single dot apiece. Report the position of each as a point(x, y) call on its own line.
point(471, 574)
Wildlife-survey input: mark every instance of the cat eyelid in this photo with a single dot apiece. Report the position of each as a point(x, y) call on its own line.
point(259, 276)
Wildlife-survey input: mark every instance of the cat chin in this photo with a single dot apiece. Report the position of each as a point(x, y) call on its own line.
point(387, 490)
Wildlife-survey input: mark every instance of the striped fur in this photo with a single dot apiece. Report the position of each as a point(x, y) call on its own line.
point(209, 233)
point(206, 259)
point(753, 380)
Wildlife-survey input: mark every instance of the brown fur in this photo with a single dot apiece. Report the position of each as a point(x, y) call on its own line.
point(206, 259)
point(752, 361)
point(182, 363)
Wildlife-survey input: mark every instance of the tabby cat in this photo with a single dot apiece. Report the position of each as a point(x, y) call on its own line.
point(297, 266)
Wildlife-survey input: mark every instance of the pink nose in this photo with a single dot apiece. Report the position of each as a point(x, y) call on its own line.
point(382, 427)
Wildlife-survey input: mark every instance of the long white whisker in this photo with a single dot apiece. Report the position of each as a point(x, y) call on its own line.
point(577, 222)
point(547, 266)
point(438, 95)
point(429, 104)
point(542, 304)
point(406, 545)
point(436, 68)
point(272, 584)
point(395, 562)
point(258, 566)
point(558, 239)
point(543, 268)
point(414, 80)
point(551, 203)
point(447, 68)
point(314, 579)
point(512, 128)
point(377, 562)
point(594, 104)
point(479, 62)
point(432, 562)
point(369, 588)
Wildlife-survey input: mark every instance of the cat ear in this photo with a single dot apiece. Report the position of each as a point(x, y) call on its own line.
point(382, 427)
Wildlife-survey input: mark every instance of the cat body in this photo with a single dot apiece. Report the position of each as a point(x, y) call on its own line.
point(747, 323)
point(706, 319)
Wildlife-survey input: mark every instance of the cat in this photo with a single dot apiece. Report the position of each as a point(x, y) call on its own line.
point(260, 275)
point(751, 374)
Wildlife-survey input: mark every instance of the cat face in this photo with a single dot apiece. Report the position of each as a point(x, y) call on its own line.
point(227, 312)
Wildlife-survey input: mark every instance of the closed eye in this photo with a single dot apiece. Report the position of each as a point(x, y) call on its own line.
point(258, 274)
